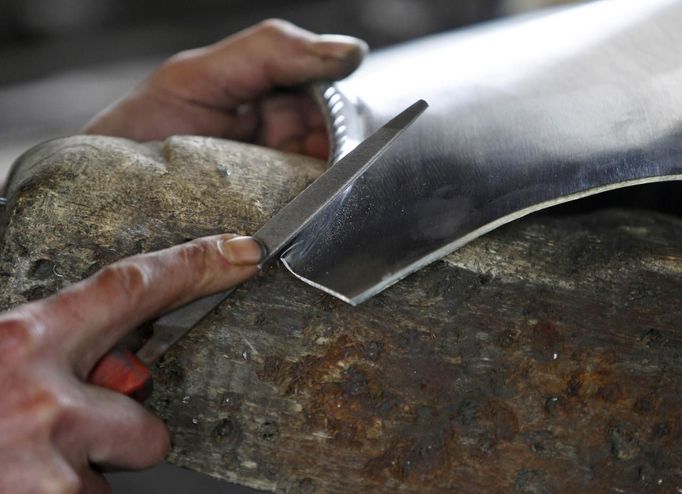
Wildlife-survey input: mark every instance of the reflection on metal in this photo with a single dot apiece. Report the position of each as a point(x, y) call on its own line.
point(281, 229)
point(524, 114)
point(278, 232)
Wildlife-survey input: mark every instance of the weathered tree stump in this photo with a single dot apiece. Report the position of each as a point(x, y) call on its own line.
point(544, 357)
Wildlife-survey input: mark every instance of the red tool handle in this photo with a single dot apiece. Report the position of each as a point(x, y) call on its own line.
point(120, 370)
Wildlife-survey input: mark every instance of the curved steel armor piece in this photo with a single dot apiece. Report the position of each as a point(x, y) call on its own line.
point(524, 114)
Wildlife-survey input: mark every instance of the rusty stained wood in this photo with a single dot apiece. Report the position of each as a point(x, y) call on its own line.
point(543, 357)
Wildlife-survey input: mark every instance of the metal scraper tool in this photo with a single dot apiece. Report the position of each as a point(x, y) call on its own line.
point(124, 372)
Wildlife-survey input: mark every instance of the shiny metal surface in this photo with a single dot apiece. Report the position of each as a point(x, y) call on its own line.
point(275, 235)
point(526, 114)
point(171, 327)
point(278, 232)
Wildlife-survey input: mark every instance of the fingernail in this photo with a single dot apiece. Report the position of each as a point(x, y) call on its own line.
point(241, 251)
point(343, 48)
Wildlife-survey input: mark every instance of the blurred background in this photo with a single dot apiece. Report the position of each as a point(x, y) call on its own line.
point(63, 60)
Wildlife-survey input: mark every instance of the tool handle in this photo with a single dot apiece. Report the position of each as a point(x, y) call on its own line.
point(120, 370)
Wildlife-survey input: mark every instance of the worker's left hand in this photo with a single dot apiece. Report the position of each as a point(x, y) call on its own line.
point(56, 430)
point(233, 89)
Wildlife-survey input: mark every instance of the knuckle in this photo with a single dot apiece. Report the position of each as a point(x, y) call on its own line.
point(194, 258)
point(174, 62)
point(129, 279)
point(275, 28)
point(195, 252)
point(65, 481)
point(176, 71)
point(17, 336)
point(27, 392)
point(46, 409)
point(39, 473)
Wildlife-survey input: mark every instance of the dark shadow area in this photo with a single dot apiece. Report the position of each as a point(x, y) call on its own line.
point(168, 479)
point(665, 197)
point(41, 36)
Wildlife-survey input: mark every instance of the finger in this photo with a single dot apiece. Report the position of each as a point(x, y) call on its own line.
point(316, 144)
point(243, 67)
point(93, 482)
point(203, 91)
point(156, 114)
point(36, 468)
point(88, 318)
point(282, 120)
point(293, 122)
point(119, 433)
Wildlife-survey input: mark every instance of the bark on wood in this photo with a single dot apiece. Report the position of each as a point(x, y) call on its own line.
point(544, 357)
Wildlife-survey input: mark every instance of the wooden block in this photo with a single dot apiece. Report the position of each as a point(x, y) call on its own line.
point(544, 357)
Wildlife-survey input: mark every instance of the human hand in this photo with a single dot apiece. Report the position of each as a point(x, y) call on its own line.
point(233, 89)
point(53, 425)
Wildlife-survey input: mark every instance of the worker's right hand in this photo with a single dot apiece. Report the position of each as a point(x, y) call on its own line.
point(247, 87)
point(56, 431)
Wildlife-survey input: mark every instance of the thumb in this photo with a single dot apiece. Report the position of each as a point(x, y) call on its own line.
point(274, 53)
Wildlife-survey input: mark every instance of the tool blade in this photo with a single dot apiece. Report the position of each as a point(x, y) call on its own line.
point(279, 231)
point(283, 227)
point(171, 327)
